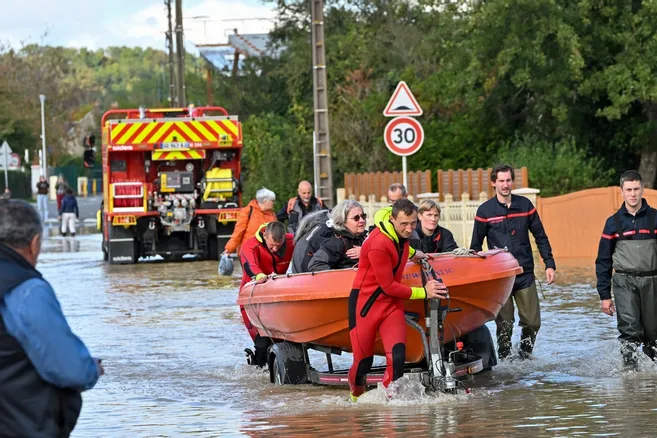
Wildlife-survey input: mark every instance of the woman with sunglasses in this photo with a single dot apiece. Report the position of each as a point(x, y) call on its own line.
point(342, 250)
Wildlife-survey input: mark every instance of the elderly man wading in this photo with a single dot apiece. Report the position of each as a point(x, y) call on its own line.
point(43, 366)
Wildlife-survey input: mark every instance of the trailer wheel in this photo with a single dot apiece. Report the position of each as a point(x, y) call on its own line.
point(286, 364)
point(277, 373)
point(480, 342)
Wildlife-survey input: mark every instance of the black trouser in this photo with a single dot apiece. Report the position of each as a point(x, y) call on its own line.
point(636, 312)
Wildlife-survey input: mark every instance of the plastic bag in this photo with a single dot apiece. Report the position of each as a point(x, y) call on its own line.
point(225, 265)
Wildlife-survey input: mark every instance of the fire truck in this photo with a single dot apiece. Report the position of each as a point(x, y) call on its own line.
point(171, 182)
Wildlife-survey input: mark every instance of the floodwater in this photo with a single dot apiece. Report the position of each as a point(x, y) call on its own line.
point(172, 342)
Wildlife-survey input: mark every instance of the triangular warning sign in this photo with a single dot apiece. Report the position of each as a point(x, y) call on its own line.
point(402, 103)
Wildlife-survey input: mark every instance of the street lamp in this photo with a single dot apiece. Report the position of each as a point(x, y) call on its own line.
point(44, 170)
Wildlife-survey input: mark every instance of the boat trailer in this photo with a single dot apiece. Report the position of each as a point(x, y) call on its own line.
point(441, 370)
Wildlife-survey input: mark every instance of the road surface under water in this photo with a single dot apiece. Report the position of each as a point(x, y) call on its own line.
point(172, 342)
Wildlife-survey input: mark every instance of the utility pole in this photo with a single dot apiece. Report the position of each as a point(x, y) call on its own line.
point(44, 160)
point(180, 55)
point(172, 74)
point(322, 146)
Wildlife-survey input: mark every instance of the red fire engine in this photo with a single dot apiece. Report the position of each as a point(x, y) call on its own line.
point(171, 182)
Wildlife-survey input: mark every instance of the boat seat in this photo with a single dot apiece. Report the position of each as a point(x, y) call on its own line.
point(412, 316)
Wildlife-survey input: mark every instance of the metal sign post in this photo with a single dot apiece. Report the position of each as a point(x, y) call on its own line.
point(42, 98)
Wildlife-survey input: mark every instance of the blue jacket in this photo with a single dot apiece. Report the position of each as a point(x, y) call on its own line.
point(69, 205)
point(43, 365)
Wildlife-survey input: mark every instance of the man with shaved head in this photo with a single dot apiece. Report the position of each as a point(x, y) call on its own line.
point(300, 206)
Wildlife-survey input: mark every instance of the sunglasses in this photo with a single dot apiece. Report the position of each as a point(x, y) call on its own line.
point(359, 216)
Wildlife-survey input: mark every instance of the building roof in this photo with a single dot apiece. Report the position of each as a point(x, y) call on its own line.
point(222, 56)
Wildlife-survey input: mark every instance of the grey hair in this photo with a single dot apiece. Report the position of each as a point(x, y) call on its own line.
point(397, 186)
point(263, 195)
point(19, 223)
point(340, 212)
point(309, 222)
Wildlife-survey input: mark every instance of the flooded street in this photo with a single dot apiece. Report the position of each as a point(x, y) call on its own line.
point(172, 343)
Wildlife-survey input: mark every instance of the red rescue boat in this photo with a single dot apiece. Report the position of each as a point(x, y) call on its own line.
point(311, 308)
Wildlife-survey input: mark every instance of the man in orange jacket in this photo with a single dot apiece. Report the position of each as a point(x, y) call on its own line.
point(268, 252)
point(376, 302)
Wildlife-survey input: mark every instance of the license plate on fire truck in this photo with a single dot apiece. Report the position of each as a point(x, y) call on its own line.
point(175, 145)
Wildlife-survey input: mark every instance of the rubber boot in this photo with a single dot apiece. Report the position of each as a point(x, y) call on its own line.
point(250, 356)
point(527, 341)
point(629, 353)
point(261, 345)
point(650, 350)
point(504, 333)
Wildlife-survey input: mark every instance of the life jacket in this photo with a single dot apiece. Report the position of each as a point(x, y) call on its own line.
point(382, 222)
point(296, 211)
point(256, 257)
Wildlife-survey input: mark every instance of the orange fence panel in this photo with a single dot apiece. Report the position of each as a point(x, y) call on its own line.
point(377, 183)
point(574, 222)
point(473, 181)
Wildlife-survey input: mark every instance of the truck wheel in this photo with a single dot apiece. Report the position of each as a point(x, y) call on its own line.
point(136, 251)
point(213, 251)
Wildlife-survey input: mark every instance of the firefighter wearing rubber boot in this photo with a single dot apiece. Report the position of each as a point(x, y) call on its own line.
point(628, 246)
point(268, 252)
point(505, 221)
point(376, 302)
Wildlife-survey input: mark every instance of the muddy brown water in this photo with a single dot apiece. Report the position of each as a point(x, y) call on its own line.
point(171, 340)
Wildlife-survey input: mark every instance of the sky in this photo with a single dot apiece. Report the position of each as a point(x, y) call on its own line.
point(95, 24)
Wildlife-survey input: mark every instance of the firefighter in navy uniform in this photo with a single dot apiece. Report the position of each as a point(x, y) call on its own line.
point(268, 252)
point(628, 246)
point(505, 221)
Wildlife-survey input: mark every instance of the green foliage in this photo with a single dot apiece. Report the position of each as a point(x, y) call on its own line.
point(278, 154)
point(556, 168)
point(574, 77)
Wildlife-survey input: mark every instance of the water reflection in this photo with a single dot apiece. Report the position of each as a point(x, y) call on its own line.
point(172, 339)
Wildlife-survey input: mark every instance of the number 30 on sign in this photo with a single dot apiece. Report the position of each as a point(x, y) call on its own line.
point(403, 136)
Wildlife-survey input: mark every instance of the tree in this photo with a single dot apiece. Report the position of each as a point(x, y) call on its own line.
point(621, 57)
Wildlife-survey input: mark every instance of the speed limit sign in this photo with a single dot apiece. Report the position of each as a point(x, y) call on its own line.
point(403, 136)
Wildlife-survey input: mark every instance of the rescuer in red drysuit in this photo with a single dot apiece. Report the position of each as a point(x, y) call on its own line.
point(376, 302)
point(268, 252)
